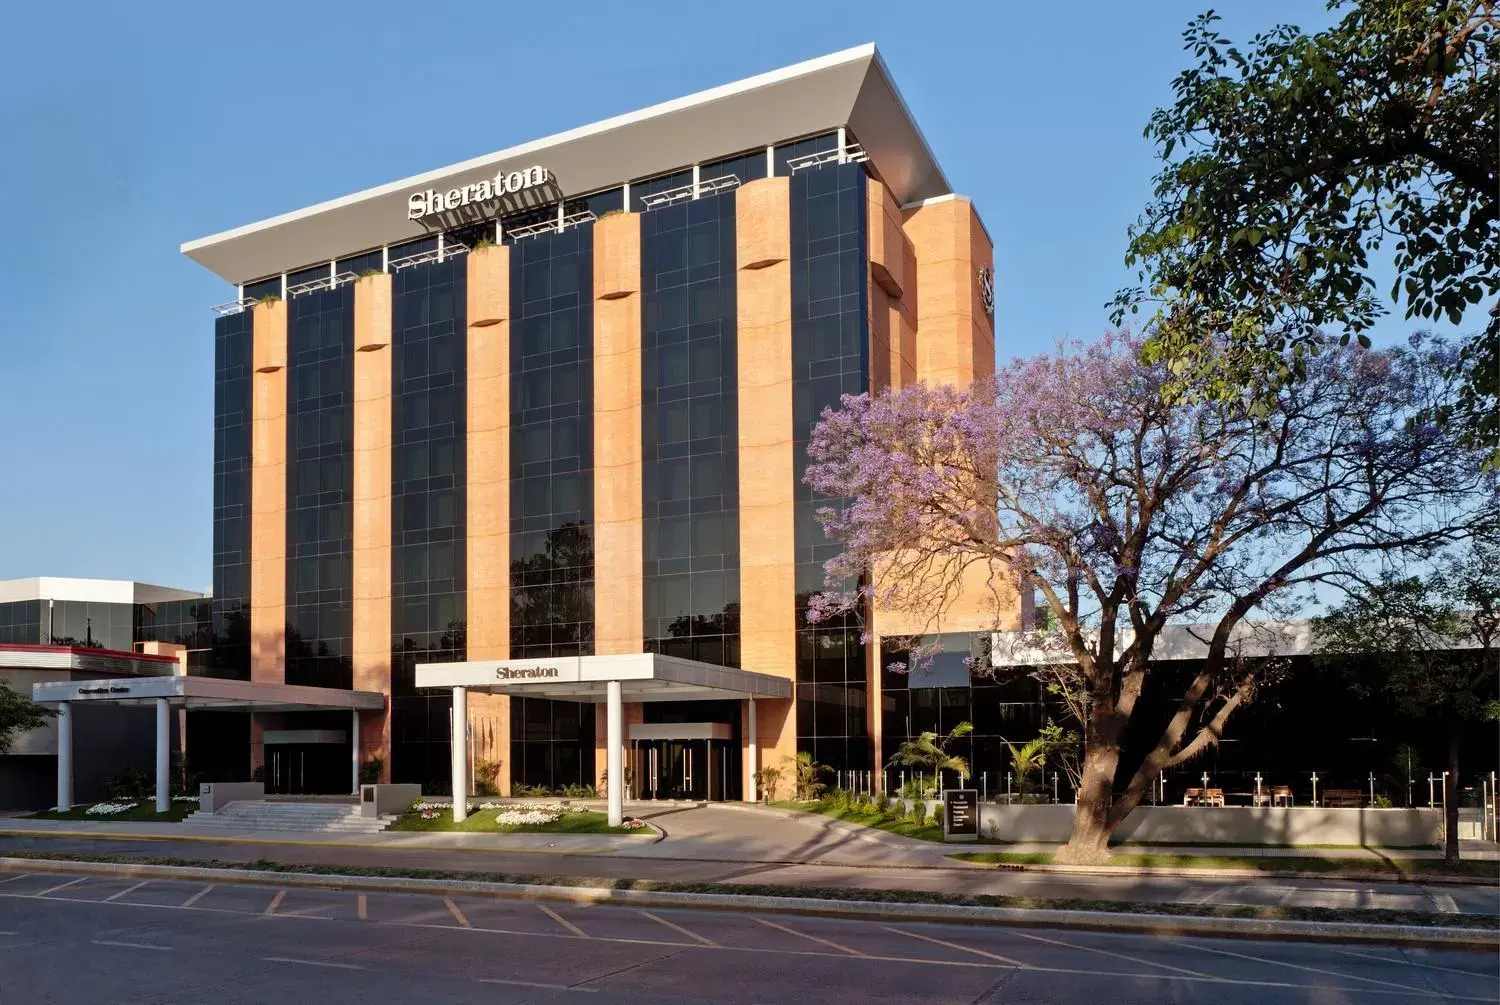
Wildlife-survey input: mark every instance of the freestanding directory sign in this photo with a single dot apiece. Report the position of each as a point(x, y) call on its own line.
point(961, 815)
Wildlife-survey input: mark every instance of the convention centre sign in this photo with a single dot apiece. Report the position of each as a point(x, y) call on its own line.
point(430, 202)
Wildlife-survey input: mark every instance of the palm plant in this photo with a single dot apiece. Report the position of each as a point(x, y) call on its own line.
point(1030, 756)
point(929, 753)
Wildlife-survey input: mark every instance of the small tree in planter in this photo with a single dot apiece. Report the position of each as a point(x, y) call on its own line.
point(768, 780)
point(807, 777)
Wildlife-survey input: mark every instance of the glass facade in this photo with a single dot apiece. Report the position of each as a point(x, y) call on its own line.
point(320, 491)
point(89, 623)
point(21, 622)
point(230, 608)
point(428, 509)
point(650, 186)
point(747, 167)
point(187, 623)
point(801, 148)
point(552, 492)
point(830, 358)
point(690, 431)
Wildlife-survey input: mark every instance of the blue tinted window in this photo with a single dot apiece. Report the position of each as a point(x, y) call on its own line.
point(650, 186)
point(801, 148)
point(320, 491)
point(690, 431)
point(747, 167)
point(829, 359)
point(230, 608)
point(428, 509)
point(262, 288)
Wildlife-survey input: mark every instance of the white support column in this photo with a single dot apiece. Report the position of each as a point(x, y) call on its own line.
point(64, 756)
point(354, 750)
point(770, 162)
point(460, 752)
point(697, 179)
point(750, 751)
point(163, 755)
point(843, 142)
point(614, 728)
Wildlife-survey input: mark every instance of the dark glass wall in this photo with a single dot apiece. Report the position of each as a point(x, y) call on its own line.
point(690, 431)
point(428, 509)
point(230, 608)
point(552, 492)
point(319, 496)
point(88, 623)
point(830, 358)
point(21, 622)
point(187, 623)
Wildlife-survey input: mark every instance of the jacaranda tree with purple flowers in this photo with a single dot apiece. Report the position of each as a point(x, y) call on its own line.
point(1076, 475)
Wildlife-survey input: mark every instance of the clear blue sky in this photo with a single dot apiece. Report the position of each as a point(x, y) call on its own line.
point(130, 128)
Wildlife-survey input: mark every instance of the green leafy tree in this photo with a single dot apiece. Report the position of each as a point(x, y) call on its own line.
point(1287, 161)
point(18, 714)
point(1418, 637)
point(929, 753)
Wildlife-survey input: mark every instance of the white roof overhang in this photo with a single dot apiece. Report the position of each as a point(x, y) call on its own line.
point(851, 88)
point(205, 692)
point(642, 677)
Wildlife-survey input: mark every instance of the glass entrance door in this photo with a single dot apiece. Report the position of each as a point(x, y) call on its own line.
point(297, 769)
point(681, 769)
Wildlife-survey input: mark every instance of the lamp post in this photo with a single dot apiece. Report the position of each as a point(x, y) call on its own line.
point(1372, 790)
point(1315, 787)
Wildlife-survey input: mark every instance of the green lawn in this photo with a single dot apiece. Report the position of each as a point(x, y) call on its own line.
point(483, 822)
point(1392, 867)
point(896, 825)
point(144, 810)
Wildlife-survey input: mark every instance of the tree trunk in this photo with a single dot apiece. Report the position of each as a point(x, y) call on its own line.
point(1089, 842)
point(1450, 797)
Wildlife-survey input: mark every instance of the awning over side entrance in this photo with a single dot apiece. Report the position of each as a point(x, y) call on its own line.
point(642, 677)
point(206, 692)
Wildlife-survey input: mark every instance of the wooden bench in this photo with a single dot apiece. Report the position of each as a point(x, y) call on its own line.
point(1348, 799)
point(1192, 797)
point(1281, 795)
point(1203, 797)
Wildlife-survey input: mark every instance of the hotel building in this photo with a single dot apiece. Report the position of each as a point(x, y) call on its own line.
point(519, 442)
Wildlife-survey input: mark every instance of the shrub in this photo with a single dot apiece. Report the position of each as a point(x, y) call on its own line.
point(578, 791)
point(130, 784)
point(882, 803)
point(919, 812)
point(369, 771)
point(768, 780)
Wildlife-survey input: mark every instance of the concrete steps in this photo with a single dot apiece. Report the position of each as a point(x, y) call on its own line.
point(286, 817)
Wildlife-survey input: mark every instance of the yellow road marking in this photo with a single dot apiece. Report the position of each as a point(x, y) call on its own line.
point(955, 945)
point(679, 928)
point(1106, 952)
point(194, 898)
point(60, 886)
point(275, 902)
point(563, 921)
point(361, 907)
point(128, 889)
point(458, 915)
point(814, 938)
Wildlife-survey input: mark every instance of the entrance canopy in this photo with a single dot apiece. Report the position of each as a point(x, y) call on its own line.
point(642, 677)
point(206, 692)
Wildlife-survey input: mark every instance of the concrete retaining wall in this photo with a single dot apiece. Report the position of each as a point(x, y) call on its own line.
point(1261, 825)
point(378, 800)
point(214, 796)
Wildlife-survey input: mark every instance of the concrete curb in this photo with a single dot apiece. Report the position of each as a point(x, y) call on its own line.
point(1191, 873)
point(294, 843)
point(1155, 924)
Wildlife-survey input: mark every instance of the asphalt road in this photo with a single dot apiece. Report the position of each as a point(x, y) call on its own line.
point(1309, 892)
point(69, 939)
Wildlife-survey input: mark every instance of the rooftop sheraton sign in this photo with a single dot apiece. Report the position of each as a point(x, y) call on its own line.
point(431, 202)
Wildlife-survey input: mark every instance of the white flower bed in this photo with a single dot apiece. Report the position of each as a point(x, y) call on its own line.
point(108, 809)
point(533, 816)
